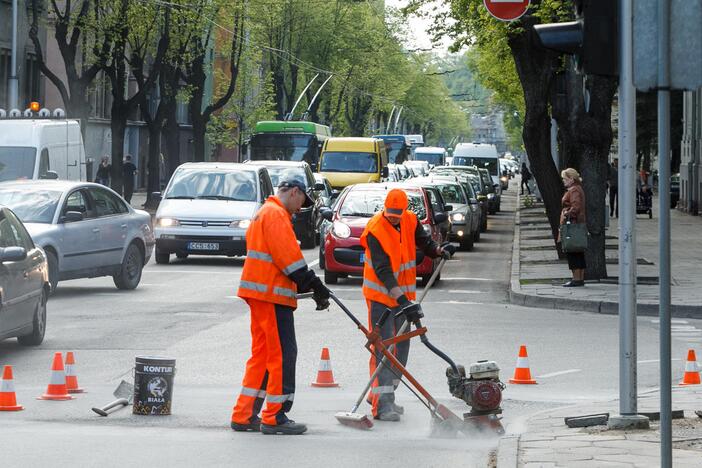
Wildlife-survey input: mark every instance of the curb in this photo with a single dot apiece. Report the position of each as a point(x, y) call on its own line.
point(516, 296)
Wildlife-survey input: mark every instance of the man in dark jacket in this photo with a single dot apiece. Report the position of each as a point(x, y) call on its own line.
point(613, 182)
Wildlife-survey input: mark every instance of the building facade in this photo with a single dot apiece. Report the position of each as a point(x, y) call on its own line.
point(691, 153)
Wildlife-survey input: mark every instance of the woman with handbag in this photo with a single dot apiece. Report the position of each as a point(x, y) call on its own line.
point(573, 213)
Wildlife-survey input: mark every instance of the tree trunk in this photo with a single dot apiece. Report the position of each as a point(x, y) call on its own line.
point(118, 126)
point(535, 68)
point(171, 133)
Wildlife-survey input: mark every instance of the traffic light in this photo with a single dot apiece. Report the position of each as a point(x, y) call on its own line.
point(593, 38)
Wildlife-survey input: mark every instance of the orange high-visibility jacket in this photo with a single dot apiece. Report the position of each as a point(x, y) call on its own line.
point(272, 254)
point(402, 251)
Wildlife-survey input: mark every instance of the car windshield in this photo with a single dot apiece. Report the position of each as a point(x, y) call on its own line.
point(349, 162)
point(213, 184)
point(397, 151)
point(365, 203)
point(281, 147)
point(35, 206)
point(279, 173)
point(435, 159)
point(16, 162)
point(452, 193)
point(488, 163)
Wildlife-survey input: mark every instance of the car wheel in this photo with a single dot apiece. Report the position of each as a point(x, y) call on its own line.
point(162, 258)
point(181, 255)
point(38, 324)
point(330, 277)
point(483, 224)
point(476, 235)
point(321, 257)
point(499, 206)
point(130, 272)
point(52, 263)
point(466, 243)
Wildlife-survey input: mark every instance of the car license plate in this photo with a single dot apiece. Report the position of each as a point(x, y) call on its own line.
point(203, 246)
point(363, 258)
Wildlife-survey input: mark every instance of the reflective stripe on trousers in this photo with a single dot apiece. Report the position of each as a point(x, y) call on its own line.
point(253, 392)
point(280, 398)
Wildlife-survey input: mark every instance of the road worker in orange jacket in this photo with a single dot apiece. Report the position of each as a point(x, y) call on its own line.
point(274, 272)
point(391, 239)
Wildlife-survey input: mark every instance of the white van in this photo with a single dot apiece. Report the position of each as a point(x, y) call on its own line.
point(41, 149)
point(434, 155)
point(480, 155)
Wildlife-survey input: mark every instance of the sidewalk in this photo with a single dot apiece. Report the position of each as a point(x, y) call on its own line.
point(537, 273)
point(548, 442)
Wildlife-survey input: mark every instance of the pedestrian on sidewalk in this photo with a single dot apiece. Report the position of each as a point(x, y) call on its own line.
point(526, 175)
point(102, 176)
point(391, 238)
point(129, 170)
point(573, 210)
point(274, 272)
point(613, 182)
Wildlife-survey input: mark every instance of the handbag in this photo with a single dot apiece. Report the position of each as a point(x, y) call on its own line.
point(573, 237)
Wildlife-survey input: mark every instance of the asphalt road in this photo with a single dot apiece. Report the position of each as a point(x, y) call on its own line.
point(188, 310)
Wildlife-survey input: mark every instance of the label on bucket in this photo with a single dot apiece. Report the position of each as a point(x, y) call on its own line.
point(153, 385)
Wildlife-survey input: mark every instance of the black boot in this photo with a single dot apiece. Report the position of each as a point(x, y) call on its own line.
point(254, 425)
point(289, 427)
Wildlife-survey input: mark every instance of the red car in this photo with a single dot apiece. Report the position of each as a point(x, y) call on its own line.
point(341, 253)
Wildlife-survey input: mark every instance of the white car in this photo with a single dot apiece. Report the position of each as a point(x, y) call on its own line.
point(207, 207)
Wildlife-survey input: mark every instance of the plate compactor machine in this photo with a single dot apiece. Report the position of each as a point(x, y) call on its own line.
point(480, 388)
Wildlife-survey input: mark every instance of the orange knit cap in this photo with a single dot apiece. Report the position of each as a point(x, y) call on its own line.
point(396, 203)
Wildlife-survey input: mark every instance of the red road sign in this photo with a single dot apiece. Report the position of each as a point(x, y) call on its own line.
point(506, 10)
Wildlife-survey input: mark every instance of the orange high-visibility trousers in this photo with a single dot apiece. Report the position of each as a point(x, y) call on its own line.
point(382, 394)
point(270, 371)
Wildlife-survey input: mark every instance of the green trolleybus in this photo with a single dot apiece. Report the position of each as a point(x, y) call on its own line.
point(288, 141)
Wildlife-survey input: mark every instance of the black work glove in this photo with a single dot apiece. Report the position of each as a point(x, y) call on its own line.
point(321, 294)
point(413, 312)
point(447, 251)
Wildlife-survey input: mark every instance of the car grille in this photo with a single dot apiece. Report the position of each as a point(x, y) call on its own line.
point(204, 238)
point(205, 223)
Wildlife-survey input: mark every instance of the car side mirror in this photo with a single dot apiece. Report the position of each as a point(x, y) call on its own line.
point(440, 218)
point(448, 207)
point(326, 213)
point(319, 187)
point(495, 185)
point(73, 216)
point(12, 254)
point(157, 196)
point(335, 194)
point(385, 172)
point(473, 201)
point(50, 175)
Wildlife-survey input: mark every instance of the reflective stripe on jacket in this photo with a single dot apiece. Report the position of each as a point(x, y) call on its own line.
point(272, 254)
point(401, 248)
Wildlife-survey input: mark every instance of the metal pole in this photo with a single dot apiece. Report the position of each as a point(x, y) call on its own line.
point(664, 227)
point(627, 417)
point(14, 81)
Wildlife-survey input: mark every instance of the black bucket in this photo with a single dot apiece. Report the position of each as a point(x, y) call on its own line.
point(153, 385)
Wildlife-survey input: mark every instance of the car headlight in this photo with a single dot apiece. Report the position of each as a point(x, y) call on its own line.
point(341, 230)
point(458, 217)
point(240, 223)
point(491, 196)
point(504, 178)
point(167, 222)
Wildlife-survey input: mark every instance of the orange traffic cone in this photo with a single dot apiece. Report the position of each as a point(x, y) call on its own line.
point(522, 374)
point(57, 389)
point(71, 376)
point(692, 370)
point(325, 377)
point(8, 400)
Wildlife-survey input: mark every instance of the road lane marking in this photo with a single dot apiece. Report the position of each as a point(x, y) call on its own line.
point(651, 361)
point(554, 374)
point(455, 302)
point(313, 263)
point(462, 291)
point(656, 321)
point(462, 278)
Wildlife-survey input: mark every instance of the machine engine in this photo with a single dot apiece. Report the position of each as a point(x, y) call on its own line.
point(481, 390)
